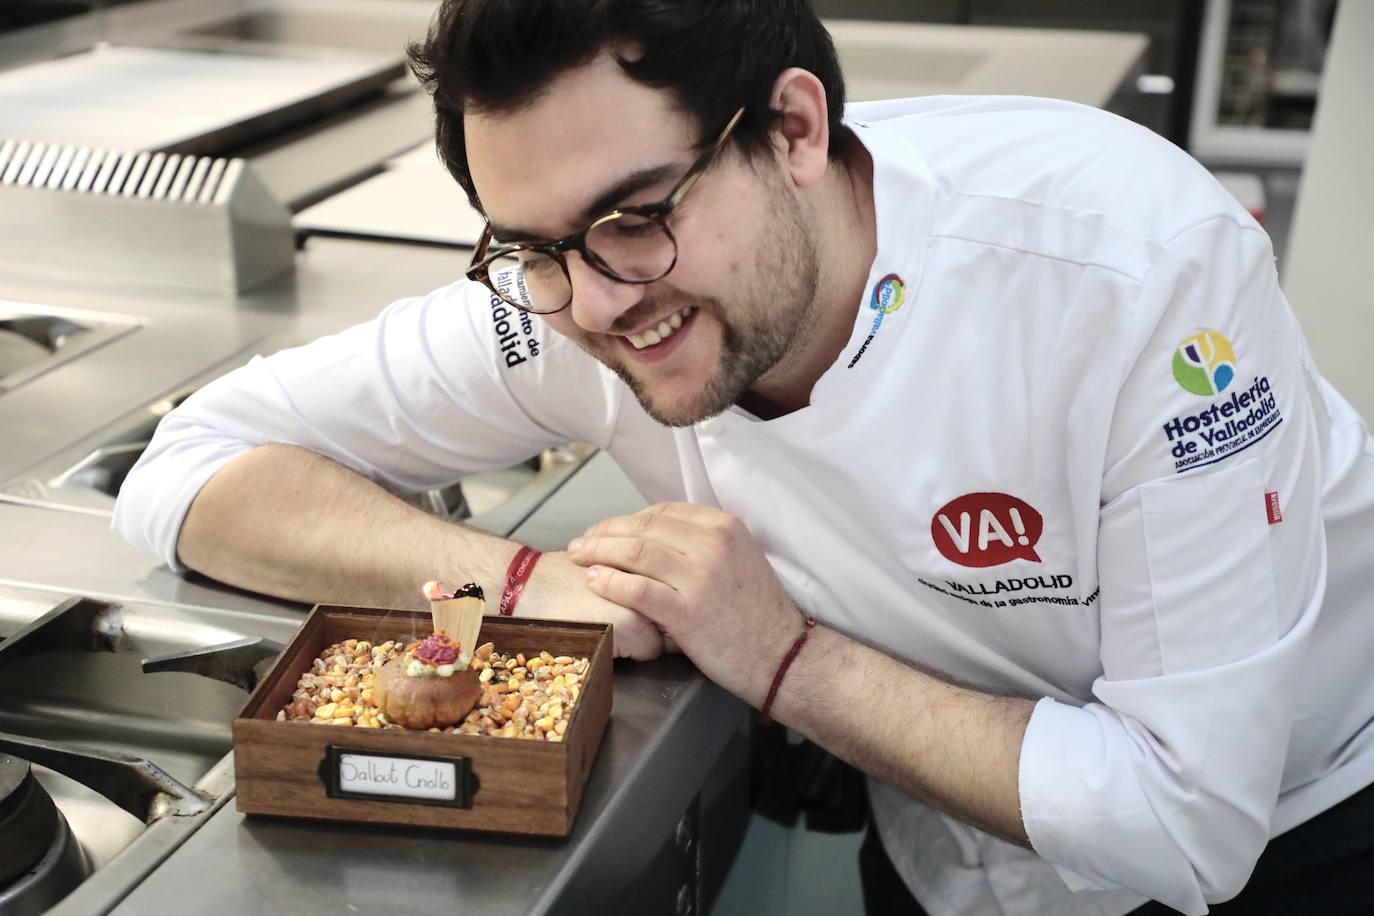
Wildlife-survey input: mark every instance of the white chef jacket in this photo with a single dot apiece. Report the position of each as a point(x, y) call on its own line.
point(1075, 448)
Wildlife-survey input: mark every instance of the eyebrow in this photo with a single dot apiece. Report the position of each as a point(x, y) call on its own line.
point(603, 203)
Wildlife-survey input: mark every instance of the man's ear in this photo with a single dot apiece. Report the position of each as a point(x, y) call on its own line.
point(802, 136)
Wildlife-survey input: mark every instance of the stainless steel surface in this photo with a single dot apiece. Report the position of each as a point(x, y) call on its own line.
point(307, 164)
point(179, 99)
point(414, 198)
point(139, 786)
point(668, 729)
point(223, 225)
point(55, 337)
point(103, 735)
point(242, 662)
point(299, 162)
point(81, 391)
point(884, 60)
point(381, 28)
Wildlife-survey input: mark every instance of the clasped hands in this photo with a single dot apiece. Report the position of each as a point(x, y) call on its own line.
point(697, 573)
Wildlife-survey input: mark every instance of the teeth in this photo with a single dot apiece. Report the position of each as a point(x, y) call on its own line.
point(664, 330)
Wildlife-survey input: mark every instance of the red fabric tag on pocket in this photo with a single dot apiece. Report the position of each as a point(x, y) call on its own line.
point(1271, 506)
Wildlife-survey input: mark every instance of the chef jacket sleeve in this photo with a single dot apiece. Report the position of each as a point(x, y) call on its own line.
point(432, 390)
point(1211, 557)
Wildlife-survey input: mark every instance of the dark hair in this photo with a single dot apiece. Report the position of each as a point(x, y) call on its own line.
point(712, 55)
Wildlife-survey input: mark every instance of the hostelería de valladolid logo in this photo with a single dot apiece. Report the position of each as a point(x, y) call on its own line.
point(888, 295)
point(1205, 364)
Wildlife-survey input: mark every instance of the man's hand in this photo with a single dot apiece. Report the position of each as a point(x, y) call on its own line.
point(558, 589)
point(698, 574)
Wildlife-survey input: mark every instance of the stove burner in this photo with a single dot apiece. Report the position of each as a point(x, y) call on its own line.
point(40, 860)
point(28, 819)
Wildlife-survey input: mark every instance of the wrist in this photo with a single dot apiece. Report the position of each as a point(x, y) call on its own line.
point(516, 580)
point(780, 672)
point(815, 682)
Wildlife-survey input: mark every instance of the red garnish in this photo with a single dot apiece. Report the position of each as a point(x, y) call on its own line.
point(435, 650)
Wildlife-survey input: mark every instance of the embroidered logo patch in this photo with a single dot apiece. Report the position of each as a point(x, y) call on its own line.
point(979, 530)
point(1271, 508)
point(1205, 364)
point(1227, 426)
point(888, 295)
point(987, 529)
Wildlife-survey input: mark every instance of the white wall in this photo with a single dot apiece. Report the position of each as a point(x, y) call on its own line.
point(1328, 273)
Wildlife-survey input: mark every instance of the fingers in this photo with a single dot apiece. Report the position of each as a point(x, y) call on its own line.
point(630, 553)
point(650, 597)
point(637, 638)
point(663, 521)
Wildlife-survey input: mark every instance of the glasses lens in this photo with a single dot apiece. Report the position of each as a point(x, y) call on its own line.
point(530, 280)
point(632, 247)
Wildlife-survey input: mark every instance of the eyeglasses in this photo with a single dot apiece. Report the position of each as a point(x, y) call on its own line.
point(630, 244)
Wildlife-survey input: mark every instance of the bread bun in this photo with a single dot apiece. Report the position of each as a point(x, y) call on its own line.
point(424, 702)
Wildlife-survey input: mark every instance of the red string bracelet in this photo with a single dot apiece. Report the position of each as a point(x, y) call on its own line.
point(517, 574)
point(764, 717)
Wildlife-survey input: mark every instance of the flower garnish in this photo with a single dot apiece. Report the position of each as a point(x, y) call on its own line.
point(436, 650)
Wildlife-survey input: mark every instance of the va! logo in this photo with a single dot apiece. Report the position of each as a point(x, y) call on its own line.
point(1205, 363)
point(987, 529)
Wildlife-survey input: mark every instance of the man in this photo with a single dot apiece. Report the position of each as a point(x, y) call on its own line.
point(1001, 392)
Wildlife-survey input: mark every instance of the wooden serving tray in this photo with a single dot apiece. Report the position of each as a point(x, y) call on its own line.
point(473, 782)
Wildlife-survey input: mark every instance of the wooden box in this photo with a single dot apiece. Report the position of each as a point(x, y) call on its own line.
point(475, 782)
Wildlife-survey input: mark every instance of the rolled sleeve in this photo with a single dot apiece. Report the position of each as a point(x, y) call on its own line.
point(1166, 781)
point(420, 397)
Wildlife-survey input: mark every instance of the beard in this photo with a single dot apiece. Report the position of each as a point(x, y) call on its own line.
point(771, 319)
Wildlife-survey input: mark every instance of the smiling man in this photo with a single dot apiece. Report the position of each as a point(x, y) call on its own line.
point(985, 452)
point(722, 259)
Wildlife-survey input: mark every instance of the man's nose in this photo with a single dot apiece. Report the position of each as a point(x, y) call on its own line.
point(597, 300)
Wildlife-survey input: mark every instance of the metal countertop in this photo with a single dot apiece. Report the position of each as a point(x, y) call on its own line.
point(669, 725)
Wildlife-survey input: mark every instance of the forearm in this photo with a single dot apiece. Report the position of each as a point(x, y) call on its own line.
point(287, 522)
point(953, 747)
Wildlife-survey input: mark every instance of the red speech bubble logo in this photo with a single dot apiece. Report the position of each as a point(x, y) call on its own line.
point(987, 529)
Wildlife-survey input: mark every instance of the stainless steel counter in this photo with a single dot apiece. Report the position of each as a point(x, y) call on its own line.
point(671, 731)
point(668, 729)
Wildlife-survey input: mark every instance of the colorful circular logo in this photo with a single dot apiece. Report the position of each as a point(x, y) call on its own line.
point(1205, 363)
point(888, 295)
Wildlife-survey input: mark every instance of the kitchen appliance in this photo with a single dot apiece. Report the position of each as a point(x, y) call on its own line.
point(79, 214)
point(1258, 74)
point(113, 737)
point(188, 98)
